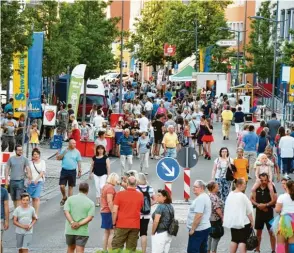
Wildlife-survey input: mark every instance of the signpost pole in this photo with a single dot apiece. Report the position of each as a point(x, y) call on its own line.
point(168, 187)
point(187, 180)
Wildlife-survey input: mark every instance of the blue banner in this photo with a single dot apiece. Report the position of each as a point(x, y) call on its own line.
point(35, 75)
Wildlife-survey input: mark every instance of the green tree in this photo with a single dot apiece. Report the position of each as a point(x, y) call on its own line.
point(15, 35)
point(146, 43)
point(288, 52)
point(260, 46)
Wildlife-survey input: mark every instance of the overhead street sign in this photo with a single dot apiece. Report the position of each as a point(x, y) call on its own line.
point(187, 157)
point(227, 43)
point(168, 169)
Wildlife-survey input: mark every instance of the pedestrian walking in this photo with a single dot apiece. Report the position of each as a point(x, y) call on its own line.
point(126, 220)
point(273, 126)
point(8, 139)
point(207, 139)
point(24, 219)
point(239, 119)
point(283, 223)
point(281, 133)
point(227, 117)
point(71, 161)
point(143, 147)
point(34, 135)
point(162, 218)
point(149, 200)
point(100, 169)
point(238, 216)
point(126, 143)
point(286, 146)
point(262, 142)
point(198, 220)
point(20, 130)
point(219, 171)
point(241, 165)
point(79, 211)
point(107, 198)
point(4, 213)
point(250, 142)
point(170, 142)
point(261, 127)
point(18, 168)
point(38, 169)
point(158, 136)
point(262, 201)
point(200, 133)
point(216, 218)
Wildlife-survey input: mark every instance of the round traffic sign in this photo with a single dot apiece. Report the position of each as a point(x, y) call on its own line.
point(187, 157)
point(168, 169)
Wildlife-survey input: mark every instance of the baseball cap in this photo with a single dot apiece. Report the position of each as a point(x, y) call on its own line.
point(10, 113)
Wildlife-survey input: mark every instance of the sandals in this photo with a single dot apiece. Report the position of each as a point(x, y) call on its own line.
point(62, 202)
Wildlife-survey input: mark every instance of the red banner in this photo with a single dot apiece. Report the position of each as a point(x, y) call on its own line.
point(169, 50)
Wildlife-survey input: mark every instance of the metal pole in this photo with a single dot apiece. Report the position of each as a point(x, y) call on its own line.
point(244, 41)
point(275, 55)
point(196, 45)
point(121, 56)
point(25, 122)
point(238, 59)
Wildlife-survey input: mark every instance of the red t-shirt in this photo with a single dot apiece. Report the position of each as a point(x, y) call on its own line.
point(129, 204)
point(107, 189)
point(258, 131)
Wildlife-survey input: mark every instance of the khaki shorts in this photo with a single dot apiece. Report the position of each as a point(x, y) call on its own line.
point(23, 241)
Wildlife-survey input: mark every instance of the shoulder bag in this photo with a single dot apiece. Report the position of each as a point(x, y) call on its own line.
point(217, 229)
point(252, 241)
point(230, 171)
point(174, 225)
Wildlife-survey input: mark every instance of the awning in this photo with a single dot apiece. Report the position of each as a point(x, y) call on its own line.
point(183, 75)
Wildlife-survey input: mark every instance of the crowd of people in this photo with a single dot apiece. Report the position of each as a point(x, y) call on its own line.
point(156, 124)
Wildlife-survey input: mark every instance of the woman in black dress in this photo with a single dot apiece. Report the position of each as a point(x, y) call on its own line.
point(200, 134)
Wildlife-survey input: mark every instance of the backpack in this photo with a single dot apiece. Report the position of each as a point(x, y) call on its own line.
point(146, 209)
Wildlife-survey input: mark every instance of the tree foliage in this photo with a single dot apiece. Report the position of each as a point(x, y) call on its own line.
point(15, 35)
point(288, 52)
point(260, 45)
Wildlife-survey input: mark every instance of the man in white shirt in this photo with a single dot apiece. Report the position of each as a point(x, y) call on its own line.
point(286, 146)
point(98, 120)
point(143, 123)
point(148, 108)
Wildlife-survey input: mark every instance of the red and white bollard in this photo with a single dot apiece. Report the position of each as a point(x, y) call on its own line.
point(187, 182)
point(3, 160)
point(168, 187)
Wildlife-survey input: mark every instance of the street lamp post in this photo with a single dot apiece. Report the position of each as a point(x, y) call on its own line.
point(195, 31)
point(238, 49)
point(121, 56)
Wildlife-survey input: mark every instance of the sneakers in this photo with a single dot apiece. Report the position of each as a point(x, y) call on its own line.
point(224, 138)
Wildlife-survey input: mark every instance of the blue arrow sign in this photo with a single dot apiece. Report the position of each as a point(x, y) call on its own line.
point(168, 169)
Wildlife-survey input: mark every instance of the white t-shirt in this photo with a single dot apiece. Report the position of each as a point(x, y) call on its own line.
point(143, 123)
point(98, 142)
point(98, 120)
point(287, 202)
point(137, 109)
point(148, 106)
point(221, 167)
point(237, 207)
point(286, 145)
point(41, 167)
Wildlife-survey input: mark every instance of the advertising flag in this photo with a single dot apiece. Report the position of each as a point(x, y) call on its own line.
point(35, 75)
point(20, 83)
point(76, 81)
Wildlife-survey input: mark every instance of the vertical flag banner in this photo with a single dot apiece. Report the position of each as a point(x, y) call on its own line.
point(291, 85)
point(76, 81)
point(35, 75)
point(20, 83)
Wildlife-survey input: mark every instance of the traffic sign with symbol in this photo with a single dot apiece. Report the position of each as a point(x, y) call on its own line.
point(168, 169)
point(226, 43)
point(187, 157)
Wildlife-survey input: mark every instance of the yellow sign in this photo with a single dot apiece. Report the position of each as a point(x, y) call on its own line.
point(291, 85)
point(20, 83)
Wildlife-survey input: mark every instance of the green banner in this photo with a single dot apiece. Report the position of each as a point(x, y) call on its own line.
point(74, 90)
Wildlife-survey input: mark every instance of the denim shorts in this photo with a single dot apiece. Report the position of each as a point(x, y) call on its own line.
point(106, 221)
point(171, 152)
point(16, 189)
point(35, 189)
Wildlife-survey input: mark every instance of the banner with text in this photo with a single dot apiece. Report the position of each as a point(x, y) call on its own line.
point(35, 75)
point(74, 90)
point(20, 83)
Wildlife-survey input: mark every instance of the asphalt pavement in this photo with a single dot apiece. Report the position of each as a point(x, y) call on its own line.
point(48, 236)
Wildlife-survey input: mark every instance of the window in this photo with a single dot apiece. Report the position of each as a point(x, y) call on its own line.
point(92, 99)
point(282, 24)
point(287, 25)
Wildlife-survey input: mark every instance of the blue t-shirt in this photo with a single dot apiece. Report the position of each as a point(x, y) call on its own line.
point(239, 117)
point(4, 197)
point(71, 159)
point(8, 108)
point(250, 140)
point(261, 144)
point(168, 95)
point(125, 148)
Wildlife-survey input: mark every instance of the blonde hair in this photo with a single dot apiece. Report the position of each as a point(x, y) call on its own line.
point(113, 179)
point(142, 180)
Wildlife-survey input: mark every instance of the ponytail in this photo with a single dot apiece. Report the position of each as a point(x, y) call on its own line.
point(290, 186)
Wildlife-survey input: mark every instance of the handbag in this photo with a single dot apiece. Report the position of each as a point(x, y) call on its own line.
point(174, 225)
point(252, 241)
point(230, 171)
point(217, 229)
